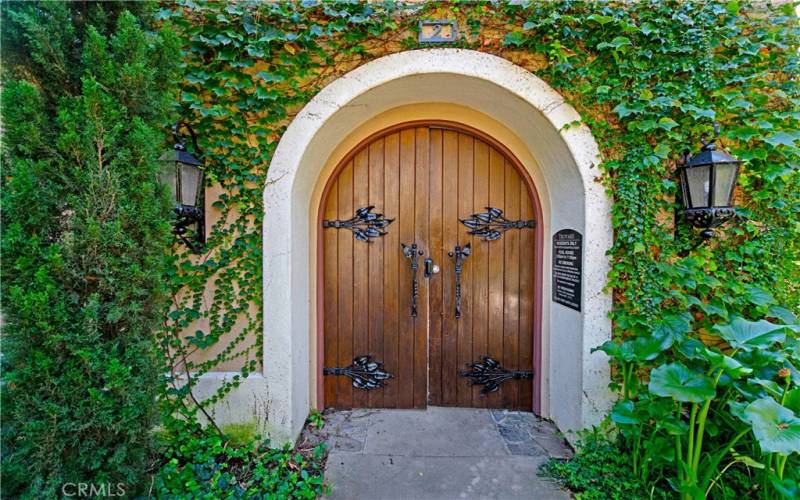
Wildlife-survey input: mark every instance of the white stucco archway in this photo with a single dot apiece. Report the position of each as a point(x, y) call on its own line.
point(563, 165)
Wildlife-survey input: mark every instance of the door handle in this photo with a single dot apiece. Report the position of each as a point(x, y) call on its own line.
point(430, 268)
point(459, 254)
point(410, 252)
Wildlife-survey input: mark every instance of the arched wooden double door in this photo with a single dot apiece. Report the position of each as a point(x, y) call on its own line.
point(429, 186)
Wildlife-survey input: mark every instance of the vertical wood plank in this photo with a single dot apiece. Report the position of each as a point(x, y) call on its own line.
point(361, 271)
point(465, 195)
point(392, 267)
point(405, 379)
point(496, 269)
point(375, 251)
point(527, 285)
point(480, 266)
point(438, 254)
point(450, 223)
point(344, 386)
point(331, 286)
point(422, 176)
point(510, 389)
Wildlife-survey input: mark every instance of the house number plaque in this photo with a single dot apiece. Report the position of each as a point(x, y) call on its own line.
point(433, 31)
point(567, 263)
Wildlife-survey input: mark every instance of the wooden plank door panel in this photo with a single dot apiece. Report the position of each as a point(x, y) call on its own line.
point(480, 265)
point(331, 296)
point(496, 250)
point(422, 180)
point(510, 391)
point(405, 228)
point(428, 178)
point(376, 267)
point(466, 170)
point(527, 285)
point(449, 225)
point(344, 388)
point(437, 252)
point(361, 271)
point(392, 265)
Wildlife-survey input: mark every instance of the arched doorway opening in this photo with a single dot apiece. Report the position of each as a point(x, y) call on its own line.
point(525, 115)
point(431, 263)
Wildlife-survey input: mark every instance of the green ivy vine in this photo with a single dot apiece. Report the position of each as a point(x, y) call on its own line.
point(648, 78)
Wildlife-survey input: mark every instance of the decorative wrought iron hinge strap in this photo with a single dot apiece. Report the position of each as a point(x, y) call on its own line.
point(364, 224)
point(410, 252)
point(490, 374)
point(366, 374)
point(459, 254)
point(491, 224)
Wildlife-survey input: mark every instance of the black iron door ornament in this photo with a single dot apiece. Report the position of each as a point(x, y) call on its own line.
point(364, 224)
point(459, 254)
point(491, 225)
point(490, 374)
point(366, 373)
point(410, 252)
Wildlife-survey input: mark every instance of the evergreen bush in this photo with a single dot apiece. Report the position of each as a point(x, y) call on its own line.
point(85, 238)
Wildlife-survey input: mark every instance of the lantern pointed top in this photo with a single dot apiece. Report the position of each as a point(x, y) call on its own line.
point(709, 154)
point(181, 155)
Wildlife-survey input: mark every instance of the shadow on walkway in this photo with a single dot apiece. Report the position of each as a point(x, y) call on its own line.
point(440, 453)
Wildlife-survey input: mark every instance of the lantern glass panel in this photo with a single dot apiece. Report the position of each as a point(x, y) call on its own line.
point(699, 180)
point(190, 177)
point(724, 180)
point(168, 176)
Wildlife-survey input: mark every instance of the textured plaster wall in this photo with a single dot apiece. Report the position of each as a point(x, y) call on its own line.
point(477, 89)
point(213, 217)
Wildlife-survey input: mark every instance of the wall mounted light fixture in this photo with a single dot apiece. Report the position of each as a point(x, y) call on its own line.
point(181, 172)
point(708, 180)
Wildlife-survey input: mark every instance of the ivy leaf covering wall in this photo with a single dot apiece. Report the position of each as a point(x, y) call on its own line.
point(647, 77)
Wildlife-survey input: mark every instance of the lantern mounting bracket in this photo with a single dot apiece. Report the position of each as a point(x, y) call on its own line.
point(712, 144)
point(180, 142)
point(186, 217)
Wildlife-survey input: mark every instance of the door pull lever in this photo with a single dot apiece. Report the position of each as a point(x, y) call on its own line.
point(459, 253)
point(411, 253)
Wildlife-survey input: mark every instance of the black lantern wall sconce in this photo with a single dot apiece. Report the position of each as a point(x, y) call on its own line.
point(708, 180)
point(181, 172)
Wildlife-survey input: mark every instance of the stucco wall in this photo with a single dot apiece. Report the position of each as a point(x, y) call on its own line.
point(477, 89)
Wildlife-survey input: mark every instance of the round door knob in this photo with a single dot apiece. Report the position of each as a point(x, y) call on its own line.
point(435, 269)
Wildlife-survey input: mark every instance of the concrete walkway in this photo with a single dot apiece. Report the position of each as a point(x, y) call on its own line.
point(440, 453)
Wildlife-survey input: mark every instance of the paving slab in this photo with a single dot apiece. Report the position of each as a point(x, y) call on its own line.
point(347, 430)
point(440, 453)
point(525, 433)
point(386, 477)
point(437, 432)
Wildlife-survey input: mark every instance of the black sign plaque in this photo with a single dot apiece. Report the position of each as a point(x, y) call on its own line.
point(567, 263)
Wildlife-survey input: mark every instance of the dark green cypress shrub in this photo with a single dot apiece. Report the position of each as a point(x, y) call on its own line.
point(85, 239)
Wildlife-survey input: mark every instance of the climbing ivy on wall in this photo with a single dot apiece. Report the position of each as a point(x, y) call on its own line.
point(647, 78)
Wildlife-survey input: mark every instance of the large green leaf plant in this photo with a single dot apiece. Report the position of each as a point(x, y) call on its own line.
point(722, 392)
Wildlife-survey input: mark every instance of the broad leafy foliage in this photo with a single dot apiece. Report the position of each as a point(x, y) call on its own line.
point(776, 427)
point(676, 381)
